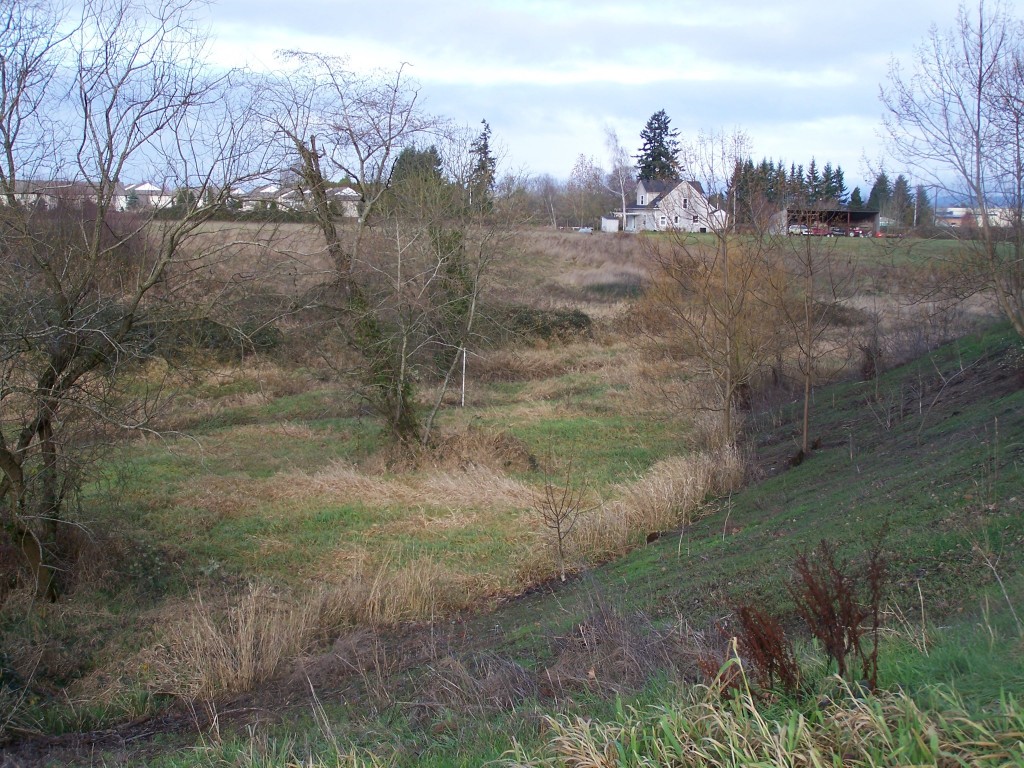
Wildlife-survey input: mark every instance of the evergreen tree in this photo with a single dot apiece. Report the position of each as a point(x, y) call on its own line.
point(798, 186)
point(814, 185)
point(924, 214)
point(881, 194)
point(481, 180)
point(780, 188)
point(827, 183)
point(417, 164)
point(658, 157)
point(839, 191)
point(856, 201)
point(902, 205)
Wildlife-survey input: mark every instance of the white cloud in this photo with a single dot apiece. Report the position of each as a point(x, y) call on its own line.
point(800, 77)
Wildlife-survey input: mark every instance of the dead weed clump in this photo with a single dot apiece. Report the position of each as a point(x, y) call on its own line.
point(476, 447)
point(612, 653)
point(219, 650)
point(476, 487)
point(391, 591)
point(525, 364)
point(481, 683)
point(221, 647)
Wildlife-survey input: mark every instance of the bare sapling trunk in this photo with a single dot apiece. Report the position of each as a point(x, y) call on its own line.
point(560, 505)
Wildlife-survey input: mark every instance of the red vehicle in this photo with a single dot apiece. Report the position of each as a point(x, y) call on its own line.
point(820, 230)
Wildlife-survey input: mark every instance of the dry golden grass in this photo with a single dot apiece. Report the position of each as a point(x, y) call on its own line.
point(213, 648)
point(674, 489)
point(467, 470)
point(218, 650)
point(668, 496)
point(394, 591)
point(526, 364)
point(342, 483)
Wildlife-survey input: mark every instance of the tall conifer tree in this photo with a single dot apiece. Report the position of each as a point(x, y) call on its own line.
point(658, 159)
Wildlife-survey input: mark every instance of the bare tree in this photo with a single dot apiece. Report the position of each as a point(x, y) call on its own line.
point(33, 50)
point(804, 293)
point(957, 117)
point(585, 191)
point(561, 505)
point(621, 180)
point(545, 195)
point(84, 286)
point(330, 120)
point(407, 276)
point(710, 292)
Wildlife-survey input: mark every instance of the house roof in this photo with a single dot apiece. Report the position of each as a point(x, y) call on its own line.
point(343, 192)
point(659, 186)
point(664, 186)
point(659, 189)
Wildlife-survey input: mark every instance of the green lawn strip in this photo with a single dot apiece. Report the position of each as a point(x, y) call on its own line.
point(603, 449)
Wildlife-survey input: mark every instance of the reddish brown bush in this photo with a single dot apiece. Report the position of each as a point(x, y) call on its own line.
point(841, 606)
point(763, 642)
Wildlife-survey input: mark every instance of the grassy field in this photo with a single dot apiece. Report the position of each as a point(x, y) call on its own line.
point(270, 573)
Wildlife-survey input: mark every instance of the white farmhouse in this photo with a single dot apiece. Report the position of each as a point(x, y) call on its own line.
point(672, 205)
point(346, 201)
point(144, 195)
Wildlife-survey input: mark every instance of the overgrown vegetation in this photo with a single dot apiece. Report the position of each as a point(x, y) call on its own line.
point(423, 485)
point(291, 572)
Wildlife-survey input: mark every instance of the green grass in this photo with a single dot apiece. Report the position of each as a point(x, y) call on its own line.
point(939, 492)
point(604, 449)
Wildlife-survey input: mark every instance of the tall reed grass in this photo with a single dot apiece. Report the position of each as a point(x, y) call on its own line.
point(667, 497)
point(703, 729)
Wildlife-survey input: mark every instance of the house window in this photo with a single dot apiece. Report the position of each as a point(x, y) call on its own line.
point(686, 203)
point(694, 219)
point(663, 220)
point(643, 200)
point(675, 220)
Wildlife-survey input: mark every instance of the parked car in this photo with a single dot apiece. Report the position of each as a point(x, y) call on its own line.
point(820, 230)
point(797, 229)
point(838, 232)
point(856, 232)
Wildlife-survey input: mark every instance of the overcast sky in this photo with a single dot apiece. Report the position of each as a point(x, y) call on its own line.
point(800, 77)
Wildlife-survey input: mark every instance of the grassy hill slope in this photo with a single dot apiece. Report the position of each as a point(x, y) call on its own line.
point(927, 459)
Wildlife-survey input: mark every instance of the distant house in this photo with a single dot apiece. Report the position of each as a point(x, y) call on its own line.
point(50, 195)
point(259, 198)
point(273, 196)
point(345, 200)
point(144, 195)
point(672, 205)
point(964, 217)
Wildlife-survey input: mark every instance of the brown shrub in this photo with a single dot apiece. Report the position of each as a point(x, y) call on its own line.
point(613, 653)
point(763, 642)
point(476, 447)
point(480, 683)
